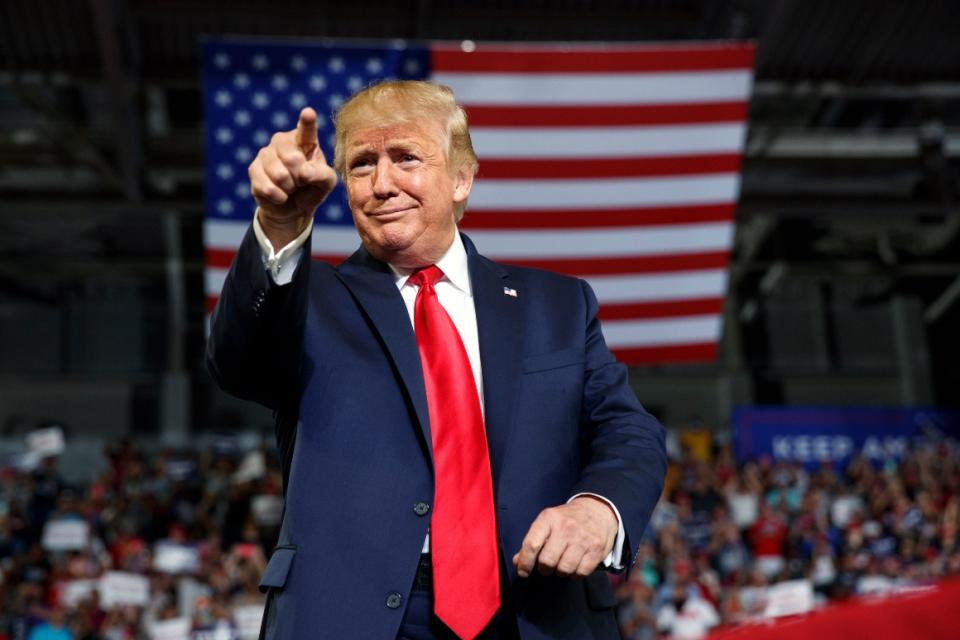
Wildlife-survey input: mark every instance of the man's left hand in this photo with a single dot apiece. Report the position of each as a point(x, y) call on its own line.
point(569, 540)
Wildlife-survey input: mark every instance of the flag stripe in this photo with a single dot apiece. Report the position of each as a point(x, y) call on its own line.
point(596, 88)
point(610, 311)
point(607, 142)
point(604, 193)
point(606, 115)
point(586, 243)
point(596, 218)
point(701, 352)
point(661, 309)
point(584, 58)
point(631, 289)
point(629, 264)
point(660, 331)
point(536, 244)
point(574, 267)
point(626, 167)
point(617, 289)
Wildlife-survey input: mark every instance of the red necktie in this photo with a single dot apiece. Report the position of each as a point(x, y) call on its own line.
point(463, 530)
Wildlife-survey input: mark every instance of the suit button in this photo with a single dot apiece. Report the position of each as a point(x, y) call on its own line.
point(421, 508)
point(394, 600)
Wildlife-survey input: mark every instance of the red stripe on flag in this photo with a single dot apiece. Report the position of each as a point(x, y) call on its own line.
point(573, 59)
point(584, 219)
point(638, 310)
point(704, 352)
point(606, 115)
point(626, 264)
point(582, 168)
point(221, 258)
point(217, 258)
point(329, 259)
point(211, 302)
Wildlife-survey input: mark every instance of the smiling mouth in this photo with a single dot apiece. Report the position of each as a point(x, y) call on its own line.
point(390, 213)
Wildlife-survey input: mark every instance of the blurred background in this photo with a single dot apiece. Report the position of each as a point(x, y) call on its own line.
point(840, 316)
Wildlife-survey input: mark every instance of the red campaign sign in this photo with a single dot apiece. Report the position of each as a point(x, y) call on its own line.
point(923, 612)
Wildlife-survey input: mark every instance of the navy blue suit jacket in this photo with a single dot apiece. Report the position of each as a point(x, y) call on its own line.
point(335, 355)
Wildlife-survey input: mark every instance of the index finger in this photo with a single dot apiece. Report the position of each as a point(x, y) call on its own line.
point(306, 134)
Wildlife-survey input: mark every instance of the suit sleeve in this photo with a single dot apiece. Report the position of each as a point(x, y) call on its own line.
point(623, 446)
point(256, 331)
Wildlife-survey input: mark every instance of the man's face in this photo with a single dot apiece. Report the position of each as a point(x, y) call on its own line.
point(401, 192)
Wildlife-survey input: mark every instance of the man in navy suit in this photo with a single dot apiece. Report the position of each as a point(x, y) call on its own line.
point(573, 462)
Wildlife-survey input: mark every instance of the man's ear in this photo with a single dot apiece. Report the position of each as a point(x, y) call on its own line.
point(462, 183)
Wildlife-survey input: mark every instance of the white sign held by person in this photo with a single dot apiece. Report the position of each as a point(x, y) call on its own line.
point(171, 557)
point(76, 591)
point(789, 598)
point(118, 588)
point(267, 509)
point(65, 535)
point(46, 442)
point(172, 629)
point(247, 619)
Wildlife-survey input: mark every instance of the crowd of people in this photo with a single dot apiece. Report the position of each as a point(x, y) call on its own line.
point(722, 533)
point(220, 505)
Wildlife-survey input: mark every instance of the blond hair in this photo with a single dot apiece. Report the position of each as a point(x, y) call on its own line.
point(406, 102)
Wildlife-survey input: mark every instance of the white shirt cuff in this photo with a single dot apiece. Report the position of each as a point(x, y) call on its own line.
point(613, 559)
point(280, 264)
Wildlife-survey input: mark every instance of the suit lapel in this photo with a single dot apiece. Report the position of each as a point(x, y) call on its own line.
point(500, 329)
point(372, 284)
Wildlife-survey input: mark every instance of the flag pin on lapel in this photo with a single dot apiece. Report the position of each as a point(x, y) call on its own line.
point(507, 291)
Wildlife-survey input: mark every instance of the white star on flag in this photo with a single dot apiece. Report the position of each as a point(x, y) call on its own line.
point(298, 100)
point(260, 100)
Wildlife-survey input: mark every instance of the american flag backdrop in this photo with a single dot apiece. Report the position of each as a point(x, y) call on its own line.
point(618, 164)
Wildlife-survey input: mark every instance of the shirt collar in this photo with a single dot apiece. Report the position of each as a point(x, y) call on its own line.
point(453, 263)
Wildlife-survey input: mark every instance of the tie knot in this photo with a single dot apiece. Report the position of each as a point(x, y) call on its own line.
point(427, 276)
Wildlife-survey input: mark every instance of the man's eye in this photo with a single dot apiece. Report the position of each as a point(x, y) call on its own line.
point(408, 158)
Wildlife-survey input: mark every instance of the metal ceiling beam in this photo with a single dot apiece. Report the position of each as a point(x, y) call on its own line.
point(128, 132)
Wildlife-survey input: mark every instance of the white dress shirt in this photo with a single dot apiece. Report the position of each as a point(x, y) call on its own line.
point(455, 294)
